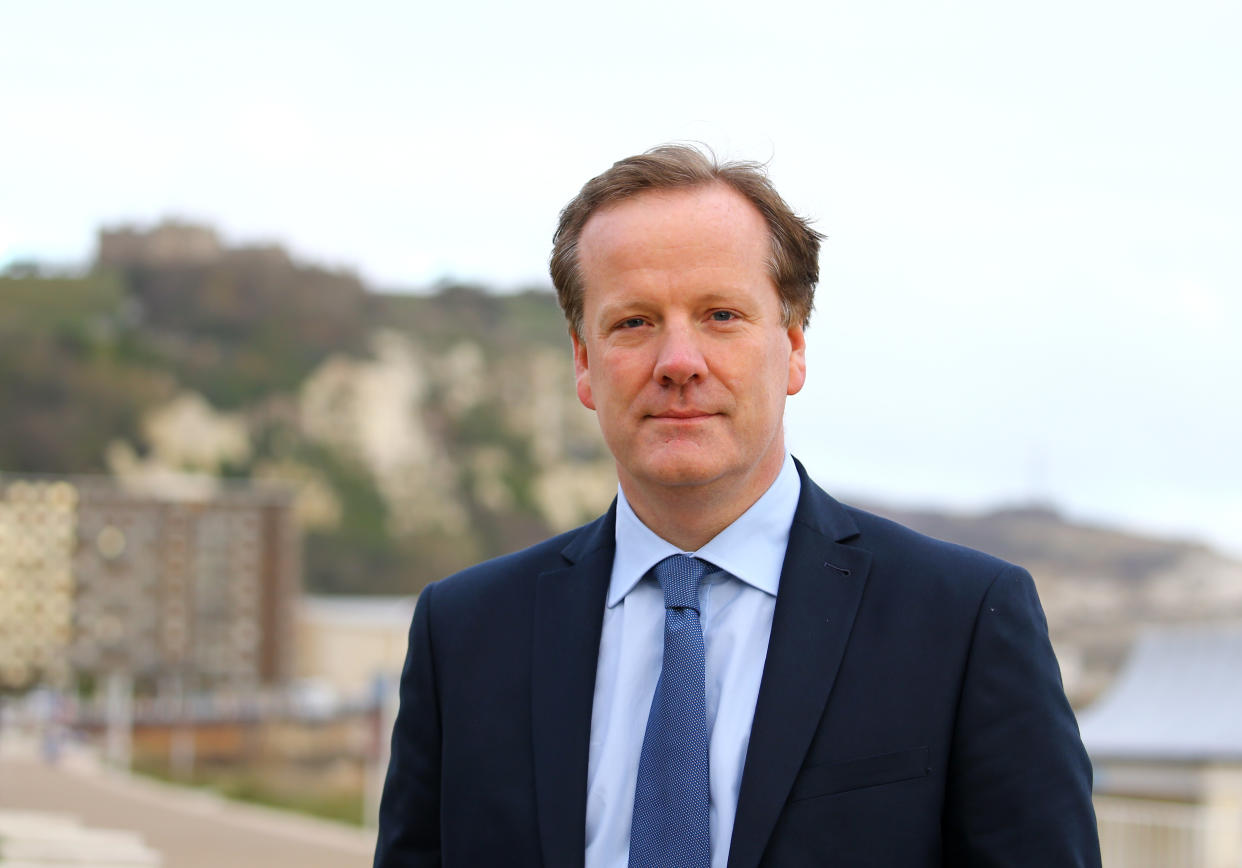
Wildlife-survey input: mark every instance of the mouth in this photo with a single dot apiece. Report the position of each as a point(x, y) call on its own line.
point(680, 415)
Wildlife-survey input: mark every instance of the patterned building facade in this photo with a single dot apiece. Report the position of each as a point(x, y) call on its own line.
point(97, 579)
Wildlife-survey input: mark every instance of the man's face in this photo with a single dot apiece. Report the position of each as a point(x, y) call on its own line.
point(683, 355)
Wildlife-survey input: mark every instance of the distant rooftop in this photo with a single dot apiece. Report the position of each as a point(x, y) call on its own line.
point(1178, 698)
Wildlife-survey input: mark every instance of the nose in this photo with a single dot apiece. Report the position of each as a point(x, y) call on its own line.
point(680, 358)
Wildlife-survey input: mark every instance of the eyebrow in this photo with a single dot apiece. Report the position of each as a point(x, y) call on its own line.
point(711, 299)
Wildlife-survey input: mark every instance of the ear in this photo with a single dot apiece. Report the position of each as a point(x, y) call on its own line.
point(797, 360)
point(582, 372)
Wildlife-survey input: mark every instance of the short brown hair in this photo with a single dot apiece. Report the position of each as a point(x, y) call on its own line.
point(795, 245)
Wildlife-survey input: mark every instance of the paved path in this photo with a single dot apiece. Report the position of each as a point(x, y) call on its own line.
point(191, 829)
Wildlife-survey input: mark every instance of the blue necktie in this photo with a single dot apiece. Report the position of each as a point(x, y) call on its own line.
point(670, 825)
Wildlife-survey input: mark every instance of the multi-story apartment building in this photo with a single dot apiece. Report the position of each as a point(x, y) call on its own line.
point(95, 578)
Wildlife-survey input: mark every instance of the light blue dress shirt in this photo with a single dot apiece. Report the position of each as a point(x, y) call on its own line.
point(737, 601)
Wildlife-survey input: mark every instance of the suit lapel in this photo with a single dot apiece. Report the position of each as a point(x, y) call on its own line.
point(569, 612)
point(821, 587)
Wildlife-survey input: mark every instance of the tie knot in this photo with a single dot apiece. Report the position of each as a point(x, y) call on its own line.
point(679, 576)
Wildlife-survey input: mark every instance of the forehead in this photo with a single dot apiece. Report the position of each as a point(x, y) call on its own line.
point(710, 224)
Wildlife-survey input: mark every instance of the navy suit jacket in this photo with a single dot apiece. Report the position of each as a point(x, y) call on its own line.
point(911, 711)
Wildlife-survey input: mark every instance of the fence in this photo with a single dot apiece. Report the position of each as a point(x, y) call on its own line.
point(1138, 833)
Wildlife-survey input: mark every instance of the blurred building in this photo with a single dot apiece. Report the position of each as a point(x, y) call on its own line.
point(350, 642)
point(1166, 744)
point(195, 587)
point(169, 242)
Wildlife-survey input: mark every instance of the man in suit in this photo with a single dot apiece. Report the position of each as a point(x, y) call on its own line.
point(729, 668)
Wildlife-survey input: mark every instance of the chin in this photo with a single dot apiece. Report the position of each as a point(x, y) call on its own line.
point(683, 470)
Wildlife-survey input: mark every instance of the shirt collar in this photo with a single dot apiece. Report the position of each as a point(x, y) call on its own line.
point(752, 548)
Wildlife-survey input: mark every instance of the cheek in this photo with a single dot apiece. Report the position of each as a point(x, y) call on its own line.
point(763, 387)
point(760, 374)
point(622, 373)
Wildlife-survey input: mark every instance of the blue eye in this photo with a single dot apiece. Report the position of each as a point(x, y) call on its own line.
point(723, 315)
point(633, 322)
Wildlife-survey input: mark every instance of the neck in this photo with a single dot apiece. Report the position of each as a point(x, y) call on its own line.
point(690, 516)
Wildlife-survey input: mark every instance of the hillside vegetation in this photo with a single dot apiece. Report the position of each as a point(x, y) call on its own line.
point(421, 432)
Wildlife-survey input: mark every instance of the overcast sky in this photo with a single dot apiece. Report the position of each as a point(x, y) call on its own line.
point(1032, 281)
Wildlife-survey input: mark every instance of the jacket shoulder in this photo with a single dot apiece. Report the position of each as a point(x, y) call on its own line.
point(896, 550)
point(928, 568)
point(904, 541)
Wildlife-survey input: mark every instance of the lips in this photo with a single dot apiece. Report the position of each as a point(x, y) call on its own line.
point(681, 414)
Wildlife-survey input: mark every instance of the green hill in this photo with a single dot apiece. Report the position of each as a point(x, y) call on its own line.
point(421, 431)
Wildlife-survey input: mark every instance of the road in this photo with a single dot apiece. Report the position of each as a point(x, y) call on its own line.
point(191, 829)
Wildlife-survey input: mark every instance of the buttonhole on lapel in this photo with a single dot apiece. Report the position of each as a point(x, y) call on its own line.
point(842, 570)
